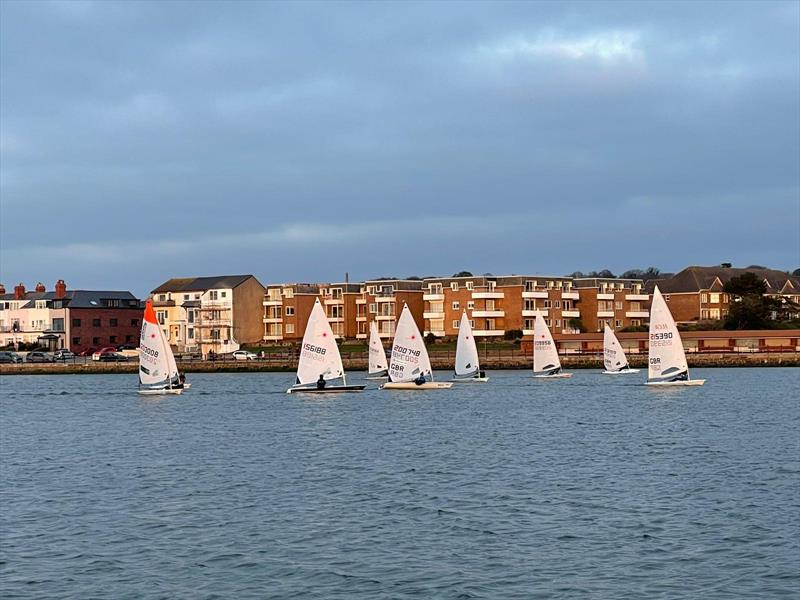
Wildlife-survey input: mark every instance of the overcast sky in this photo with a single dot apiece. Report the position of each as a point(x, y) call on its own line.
point(297, 142)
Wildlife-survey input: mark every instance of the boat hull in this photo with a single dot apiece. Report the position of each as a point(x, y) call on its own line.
point(328, 389)
point(622, 372)
point(410, 385)
point(689, 382)
point(163, 392)
point(556, 376)
point(377, 377)
point(470, 380)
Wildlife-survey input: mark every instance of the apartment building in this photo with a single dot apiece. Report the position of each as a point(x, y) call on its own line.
point(78, 320)
point(287, 308)
point(618, 303)
point(446, 298)
point(382, 300)
point(697, 293)
point(210, 314)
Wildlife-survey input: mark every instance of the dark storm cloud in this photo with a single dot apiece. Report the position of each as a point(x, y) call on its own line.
point(299, 141)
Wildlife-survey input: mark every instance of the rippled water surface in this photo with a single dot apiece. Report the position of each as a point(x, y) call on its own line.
point(593, 487)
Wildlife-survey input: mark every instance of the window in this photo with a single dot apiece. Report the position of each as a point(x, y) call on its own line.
point(215, 334)
point(76, 322)
point(112, 322)
point(435, 288)
point(618, 305)
point(704, 298)
point(58, 324)
point(371, 290)
point(95, 341)
point(470, 285)
point(547, 322)
point(714, 298)
point(472, 323)
point(558, 304)
point(223, 294)
point(128, 338)
point(470, 305)
point(558, 322)
point(456, 323)
point(95, 322)
point(290, 311)
point(435, 307)
point(290, 328)
point(113, 339)
point(529, 304)
point(190, 316)
point(213, 295)
point(436, 324)
point(185, 297)
point(373, 309)
point(547, 303)
point(529, 324)
point(666, 297)
point(636, 322)
point(162, 297)
point(134, 322)
point(618, 323)
point(455, 305)
point(190, 333)
point(454, 286)
point(161, 316)
point(76, 341)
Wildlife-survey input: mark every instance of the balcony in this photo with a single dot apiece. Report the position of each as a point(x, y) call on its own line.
point(527, 332)
point(605, 296)
point(637, 297)
point(533, 313)
point(272, 302)
point(336, 319)
point(361, 336)
point(539, 294)
point(273, 338)
point(605, 313)
point(273, 320)
point(638, 314)
point(385, 317)
point(331, 300)
point(361, 300)
point(433, 315)
point(571, 314)
point(433, 297)
point(488, 332)
point(362, 319)
point(385, 298)
point(488, 295)
point(570, 296)
point(163, 303)
point(435, 332)
point(488, 313)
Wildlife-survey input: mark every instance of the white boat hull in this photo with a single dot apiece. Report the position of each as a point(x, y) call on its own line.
point(410, 385)
point(328, 389)
point(688, 382)
point(622, 372)
point(556, 376)
point(378, 377)
point(186, 386)
point(161, 392)
point(470, 380)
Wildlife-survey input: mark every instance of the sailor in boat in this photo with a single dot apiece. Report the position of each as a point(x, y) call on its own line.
point(420, 380)
point(181, 378)
point(321, 382)
point(481, 374)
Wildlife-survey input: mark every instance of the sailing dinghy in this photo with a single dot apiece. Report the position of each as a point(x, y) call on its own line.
point(546, 364)
point(666, 360)
point(377, 355)
point(320, 360)
point(158, 372)
point(468, 368)
point(614, 359)
point(410, 365)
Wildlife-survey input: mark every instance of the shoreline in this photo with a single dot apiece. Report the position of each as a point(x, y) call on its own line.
point(709, 360)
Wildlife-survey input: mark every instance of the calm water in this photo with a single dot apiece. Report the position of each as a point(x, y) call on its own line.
point(591, 487)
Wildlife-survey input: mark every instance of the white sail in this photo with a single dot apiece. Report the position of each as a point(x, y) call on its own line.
point(156, 362)
point(409, 356)
point(545, 354)
point(319, 354)
point(666, 358)
point(377, 355)
point(613, 355)
point(466, 350)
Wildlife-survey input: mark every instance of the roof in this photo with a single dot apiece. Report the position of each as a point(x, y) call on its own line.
point(695, 279)
point(80, 298)
point(201, 284)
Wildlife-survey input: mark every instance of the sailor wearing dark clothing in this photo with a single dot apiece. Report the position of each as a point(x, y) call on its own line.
point(321, 382)
point(482, 374)
point(420, 380)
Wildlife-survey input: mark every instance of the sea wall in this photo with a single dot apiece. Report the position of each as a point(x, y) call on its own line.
point(517, 361)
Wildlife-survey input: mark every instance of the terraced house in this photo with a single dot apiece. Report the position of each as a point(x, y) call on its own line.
point(210, 314)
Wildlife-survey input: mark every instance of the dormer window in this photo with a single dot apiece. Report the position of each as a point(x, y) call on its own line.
point(470, 286)
point(454, 286)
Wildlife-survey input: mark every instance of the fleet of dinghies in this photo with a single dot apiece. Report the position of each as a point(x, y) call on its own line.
point(410, 367)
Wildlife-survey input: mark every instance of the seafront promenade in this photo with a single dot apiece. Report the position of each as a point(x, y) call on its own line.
point(441, 360)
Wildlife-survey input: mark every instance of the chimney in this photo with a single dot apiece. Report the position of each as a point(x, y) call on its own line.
point(19, 291)
point(2, 289)
point(61, 289)
point(40, 289)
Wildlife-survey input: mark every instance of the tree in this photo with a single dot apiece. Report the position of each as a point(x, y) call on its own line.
point(463, 274)
point(796, 273)
point(576, 323)
point(512, 334)
point(749, 307)
point(430, 339)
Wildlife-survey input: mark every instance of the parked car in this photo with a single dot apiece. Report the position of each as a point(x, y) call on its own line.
point(39, 357)
point(10, 357)
point(88, 352)
point(244, 355)
point(129, 350)
point(98, 353)
point(111, 357)
point(63, 355)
